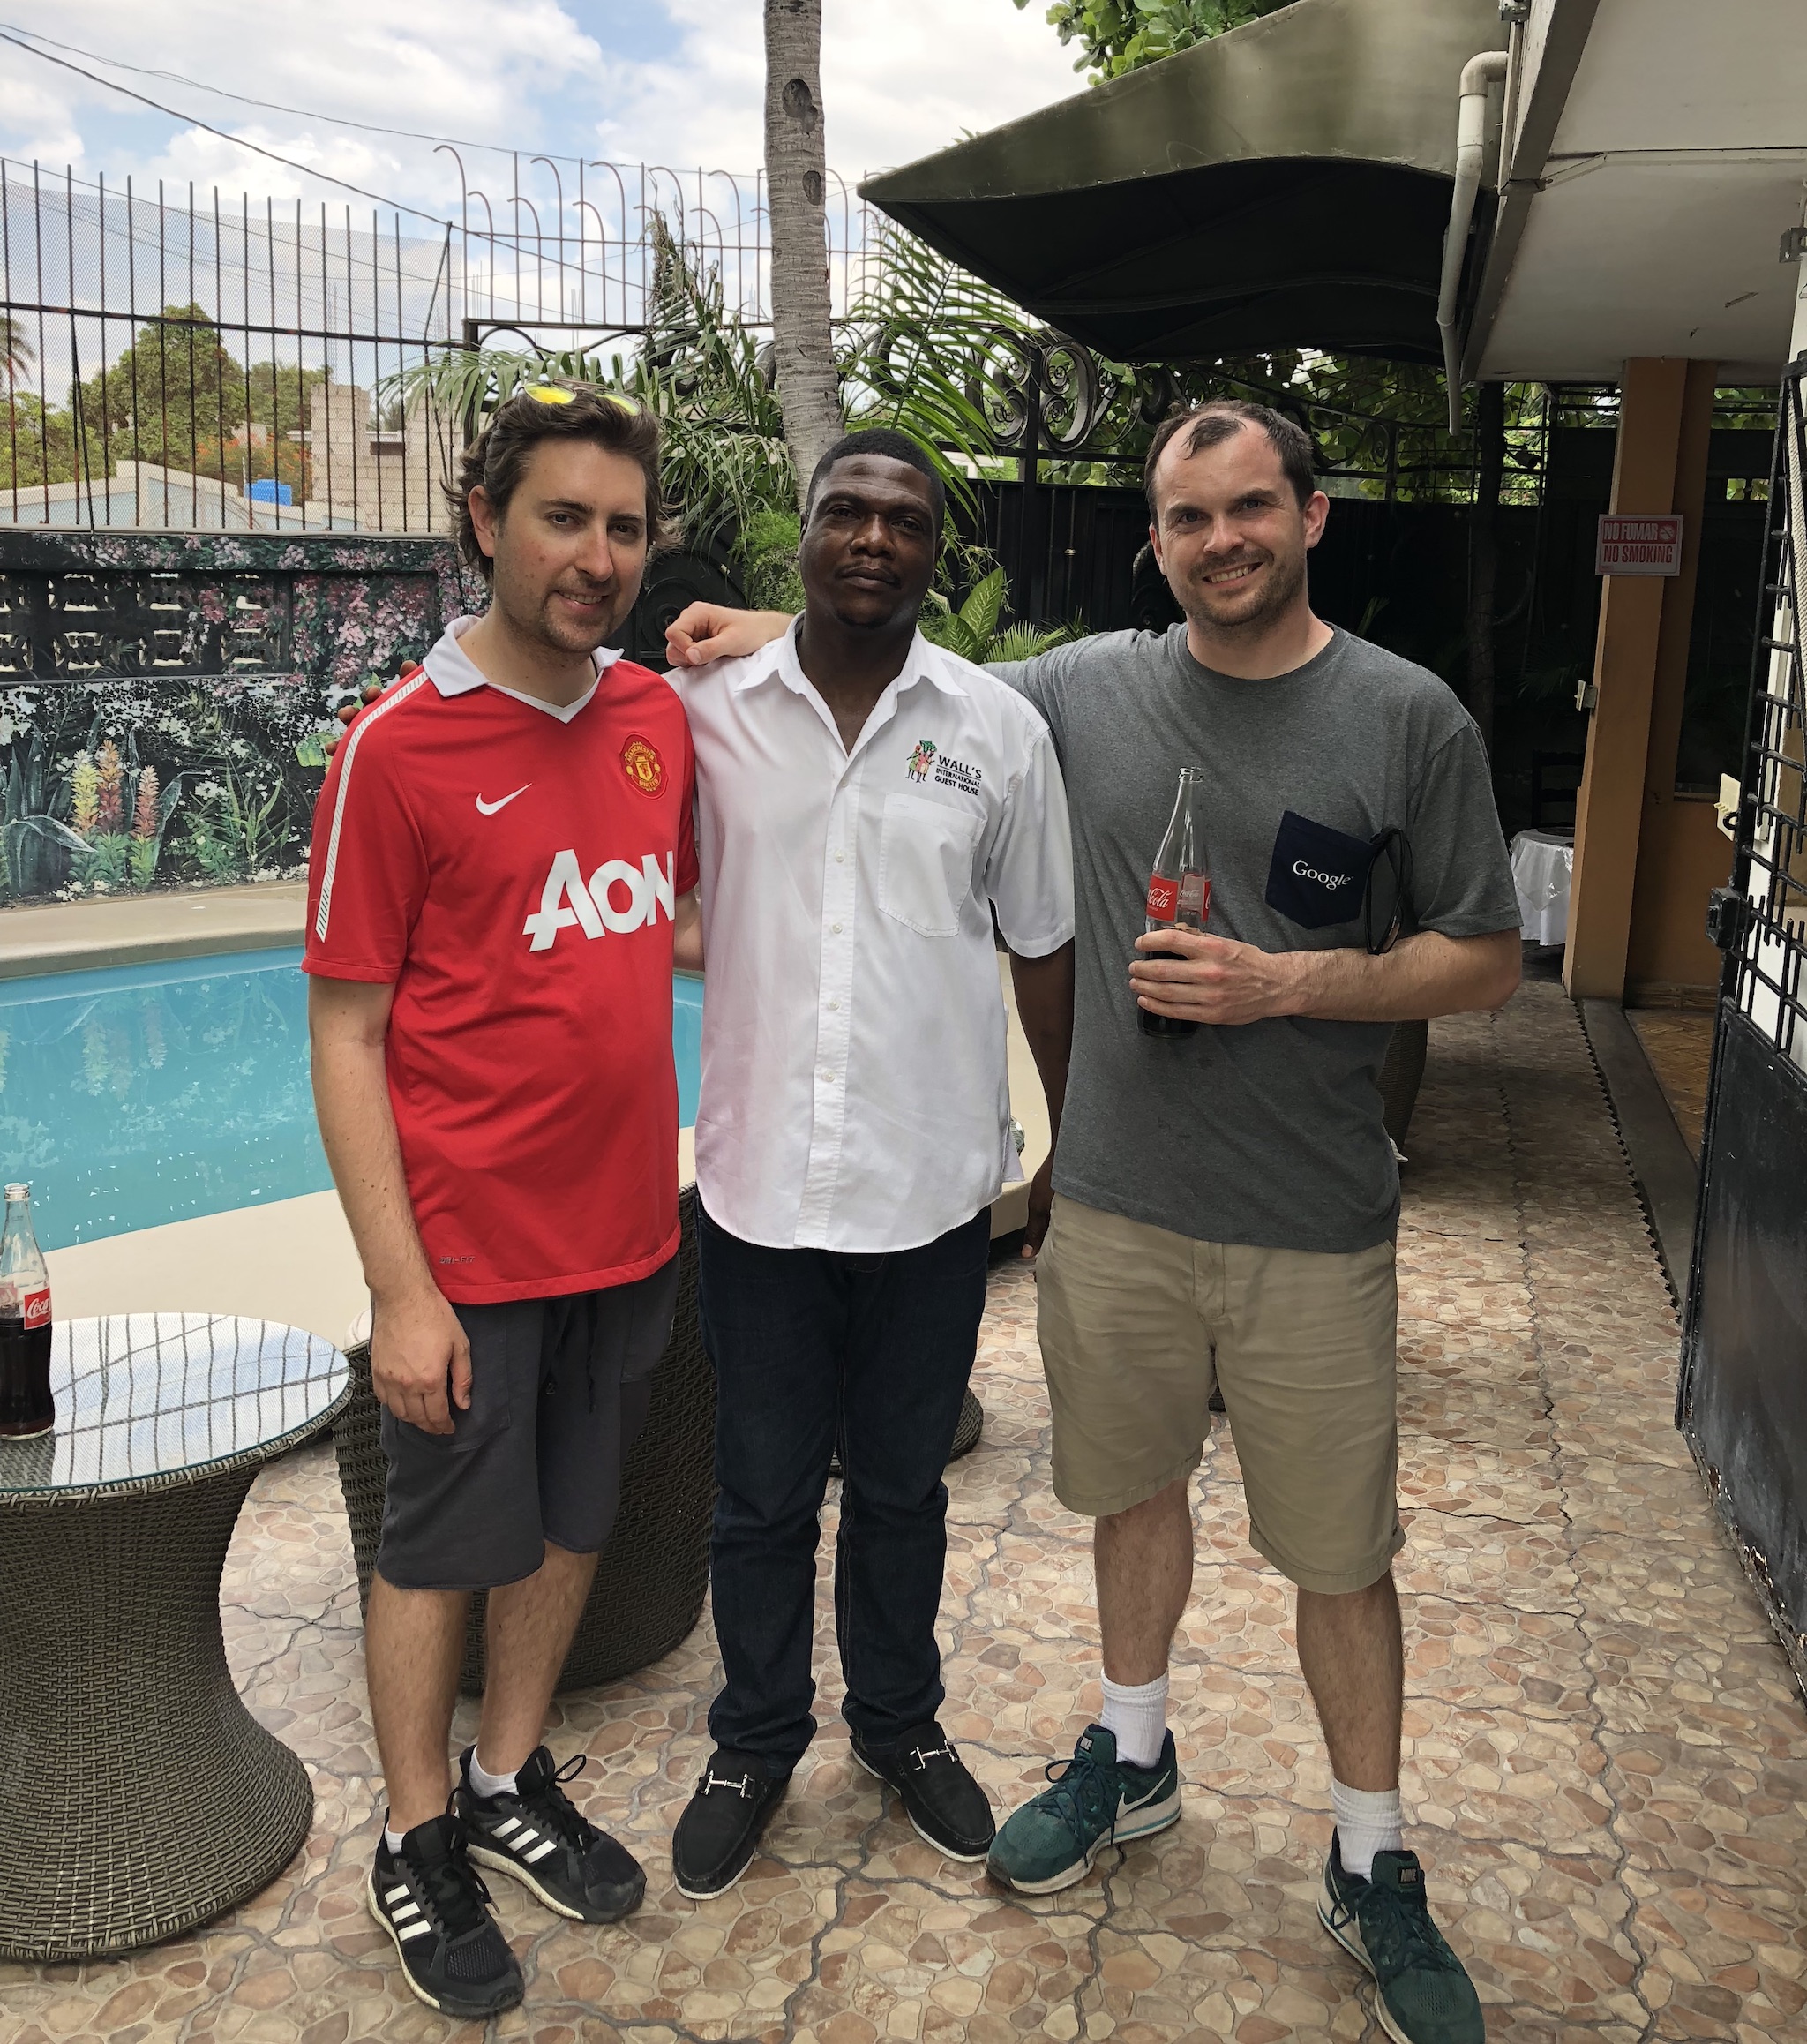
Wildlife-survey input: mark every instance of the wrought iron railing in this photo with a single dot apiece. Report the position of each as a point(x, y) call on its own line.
point(190, 361)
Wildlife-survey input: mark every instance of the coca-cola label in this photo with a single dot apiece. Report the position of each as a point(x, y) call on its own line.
point(1163, 899)
point(1194, 899)
point(37, 1308)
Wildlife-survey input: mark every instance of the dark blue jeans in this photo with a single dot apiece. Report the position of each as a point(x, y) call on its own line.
point(811, 1347)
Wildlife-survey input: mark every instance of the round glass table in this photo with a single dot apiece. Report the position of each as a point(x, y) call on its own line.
point(142, 1798)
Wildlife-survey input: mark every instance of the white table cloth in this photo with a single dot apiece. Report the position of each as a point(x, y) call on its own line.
point(1543, 862)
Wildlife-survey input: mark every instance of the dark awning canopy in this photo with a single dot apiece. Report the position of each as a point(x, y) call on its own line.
point(1285, 185)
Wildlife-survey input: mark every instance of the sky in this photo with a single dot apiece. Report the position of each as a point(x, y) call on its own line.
point(678, 82)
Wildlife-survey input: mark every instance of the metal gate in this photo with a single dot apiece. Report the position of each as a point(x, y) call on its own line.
point(1743, 1400)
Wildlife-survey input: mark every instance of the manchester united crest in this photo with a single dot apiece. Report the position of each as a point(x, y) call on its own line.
point(644, 768)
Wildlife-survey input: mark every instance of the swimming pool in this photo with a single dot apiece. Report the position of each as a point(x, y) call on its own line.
point(147, 1094)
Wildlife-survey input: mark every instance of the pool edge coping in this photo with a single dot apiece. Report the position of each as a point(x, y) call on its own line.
point(44, 938)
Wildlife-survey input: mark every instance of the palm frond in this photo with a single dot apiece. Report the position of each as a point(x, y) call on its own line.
point(1024, 641)
point(927, 360)
point(982, 609)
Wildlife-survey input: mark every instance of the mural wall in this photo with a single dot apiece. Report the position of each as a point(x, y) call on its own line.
point(163, 695)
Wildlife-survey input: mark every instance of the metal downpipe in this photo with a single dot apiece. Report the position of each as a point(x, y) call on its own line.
point(1471, 138)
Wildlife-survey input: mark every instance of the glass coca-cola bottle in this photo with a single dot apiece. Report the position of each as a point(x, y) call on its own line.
point(25, 1404)
point(1179, 893)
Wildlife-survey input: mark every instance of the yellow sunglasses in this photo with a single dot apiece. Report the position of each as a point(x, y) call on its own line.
point(556, 393)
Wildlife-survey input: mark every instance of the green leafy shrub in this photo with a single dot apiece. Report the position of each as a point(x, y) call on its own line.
point(1120, 35)
point(976, 631)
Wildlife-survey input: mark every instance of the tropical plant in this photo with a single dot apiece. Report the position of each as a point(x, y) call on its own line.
point(1118, 35)
point(215, 853)
point(16, 353)
point(238, 832)
point(913, 355)
point(976, 631)
point(119, 812)
point(929, 352)
point(767, 549)
point(36, 843)
point(803, 336)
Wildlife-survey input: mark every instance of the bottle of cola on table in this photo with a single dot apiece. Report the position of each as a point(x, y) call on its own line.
point(1179, 893)
point(25, 1404)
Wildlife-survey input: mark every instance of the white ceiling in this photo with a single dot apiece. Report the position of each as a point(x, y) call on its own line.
point(1678, 163)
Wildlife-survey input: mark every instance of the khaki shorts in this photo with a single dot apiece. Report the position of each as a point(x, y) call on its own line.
point(1137, 1325)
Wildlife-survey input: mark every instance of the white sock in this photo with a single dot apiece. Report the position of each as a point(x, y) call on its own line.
point(1136, 1713)
point(485, 1783)
point(392, 1837)
point(1368, 1821)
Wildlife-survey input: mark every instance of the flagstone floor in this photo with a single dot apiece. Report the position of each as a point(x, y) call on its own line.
point(1605, 1758)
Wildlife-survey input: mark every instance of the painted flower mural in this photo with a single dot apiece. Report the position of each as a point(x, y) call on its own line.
point(163, 695)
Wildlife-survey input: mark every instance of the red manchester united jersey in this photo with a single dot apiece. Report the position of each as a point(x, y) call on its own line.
point(514, 871)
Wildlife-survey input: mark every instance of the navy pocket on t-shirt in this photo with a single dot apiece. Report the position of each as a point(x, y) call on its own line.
point(1318, 874)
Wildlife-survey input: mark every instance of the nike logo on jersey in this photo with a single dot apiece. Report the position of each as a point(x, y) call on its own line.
point(485, 809)
point(618, 897)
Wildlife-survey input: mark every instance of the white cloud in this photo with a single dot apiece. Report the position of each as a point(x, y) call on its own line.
point(467, 67)
point(43, 121)
point(898, 82)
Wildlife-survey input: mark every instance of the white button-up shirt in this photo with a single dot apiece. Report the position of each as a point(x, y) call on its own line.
point(854, 1094)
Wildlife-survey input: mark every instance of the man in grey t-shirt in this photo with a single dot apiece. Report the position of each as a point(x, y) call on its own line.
point(1267, 1134)
point(1223, 1204)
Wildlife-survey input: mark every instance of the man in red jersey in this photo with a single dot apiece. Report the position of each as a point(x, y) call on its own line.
point(502, 857)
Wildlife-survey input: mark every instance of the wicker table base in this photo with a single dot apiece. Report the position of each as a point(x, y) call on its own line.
point(141, 1797)
point(138, 1797)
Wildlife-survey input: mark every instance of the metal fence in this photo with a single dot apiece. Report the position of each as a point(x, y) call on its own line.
point(196, 361)
point(1769, 982)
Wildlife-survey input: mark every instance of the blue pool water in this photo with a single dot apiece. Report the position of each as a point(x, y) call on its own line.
point(150, 1093)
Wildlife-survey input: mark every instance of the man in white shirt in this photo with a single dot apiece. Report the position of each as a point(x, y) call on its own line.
point(866, 802)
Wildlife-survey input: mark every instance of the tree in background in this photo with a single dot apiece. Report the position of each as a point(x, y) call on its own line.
point(15, 351)
point(1120, 35)
point(176, 397)
point(168, 394)
point(796, 183)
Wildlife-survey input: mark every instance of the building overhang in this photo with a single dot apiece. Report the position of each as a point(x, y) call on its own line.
point(1659, 158)
point(1286, 184)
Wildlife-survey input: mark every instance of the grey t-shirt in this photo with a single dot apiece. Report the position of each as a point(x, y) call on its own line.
point(1269, 1134)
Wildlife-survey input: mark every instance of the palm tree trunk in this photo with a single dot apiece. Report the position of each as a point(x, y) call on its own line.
point(796, 179)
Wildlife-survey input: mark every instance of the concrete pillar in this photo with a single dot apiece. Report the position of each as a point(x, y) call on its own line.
point(1681, 855)
point(1660, 466)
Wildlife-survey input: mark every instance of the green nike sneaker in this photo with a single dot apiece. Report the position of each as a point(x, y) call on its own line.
point(1423, 1996)
point(1096, 1800)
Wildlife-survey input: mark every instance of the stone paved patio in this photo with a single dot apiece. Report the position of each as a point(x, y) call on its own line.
point(1605, 1758)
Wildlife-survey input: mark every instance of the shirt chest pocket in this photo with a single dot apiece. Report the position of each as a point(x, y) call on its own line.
point(1318, 875)
point(925, 863)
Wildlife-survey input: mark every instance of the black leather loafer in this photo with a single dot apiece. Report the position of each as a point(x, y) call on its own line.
point(719, 1830)
point(948, 1807)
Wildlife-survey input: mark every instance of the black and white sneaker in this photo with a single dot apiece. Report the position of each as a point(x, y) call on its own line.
point(948, 1807)
point(546, 1843)
point(714, 1843)
point(432, 1902)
